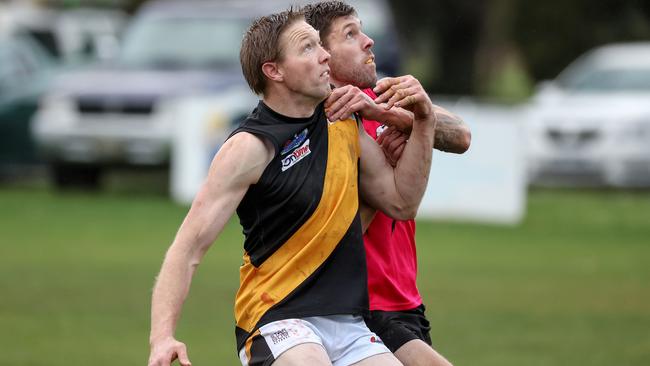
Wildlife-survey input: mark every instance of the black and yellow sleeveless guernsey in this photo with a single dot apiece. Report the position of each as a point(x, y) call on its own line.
point(303, 245)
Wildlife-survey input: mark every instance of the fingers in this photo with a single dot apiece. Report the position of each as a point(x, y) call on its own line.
point(164, 354)
point(380, 138)
point(401, 92)
point(394, 153)
point(337, 102)
point(388, 131)
point(346, 111)
point(335, 95)
point(347, 100)
point(183, 359)
point(405, 97)
point(392, 142)
point(385, 84)
point(386, 87)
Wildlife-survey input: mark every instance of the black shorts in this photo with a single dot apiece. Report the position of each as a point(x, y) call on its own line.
point(395, 328)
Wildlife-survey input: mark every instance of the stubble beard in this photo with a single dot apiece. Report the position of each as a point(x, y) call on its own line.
point(358, 75)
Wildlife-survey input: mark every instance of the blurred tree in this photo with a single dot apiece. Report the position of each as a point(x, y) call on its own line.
point(554, 33)
point(452, 29)
point(501, 72)
point(498, 47)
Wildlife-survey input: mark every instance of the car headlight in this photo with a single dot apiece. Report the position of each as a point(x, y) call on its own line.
point(57, 108)
point(55, 113)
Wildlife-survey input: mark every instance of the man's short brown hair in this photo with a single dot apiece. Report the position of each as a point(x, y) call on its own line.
point(261, 44)
point(321, 15)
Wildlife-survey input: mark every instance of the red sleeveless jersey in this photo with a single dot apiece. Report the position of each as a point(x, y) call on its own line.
point(391, 254)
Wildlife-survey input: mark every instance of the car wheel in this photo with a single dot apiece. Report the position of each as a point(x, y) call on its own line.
point(65, 176)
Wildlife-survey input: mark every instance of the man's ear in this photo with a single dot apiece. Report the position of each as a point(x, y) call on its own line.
point(272, 71)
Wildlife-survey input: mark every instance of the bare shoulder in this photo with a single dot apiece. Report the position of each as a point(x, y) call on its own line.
point(244, 155)
point(245, 142)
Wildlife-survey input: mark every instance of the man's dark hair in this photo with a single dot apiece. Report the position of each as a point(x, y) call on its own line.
point(321, 15)
point(261, 44)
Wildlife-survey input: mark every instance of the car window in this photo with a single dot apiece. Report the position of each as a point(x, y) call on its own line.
point(29, 59)
point(6, 69)
point(11, 70)
point(21, 62)
point(610, 79)
point(184, 42)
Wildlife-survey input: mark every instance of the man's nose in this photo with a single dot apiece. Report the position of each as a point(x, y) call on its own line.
point(367, 42)
point(325, 56)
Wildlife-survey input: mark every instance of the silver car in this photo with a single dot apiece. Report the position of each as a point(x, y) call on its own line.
point(177, 56)
point(178, 67)
point(591, 125)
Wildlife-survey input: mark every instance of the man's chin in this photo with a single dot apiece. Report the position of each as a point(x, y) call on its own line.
point(366, 83)
point(322, 94)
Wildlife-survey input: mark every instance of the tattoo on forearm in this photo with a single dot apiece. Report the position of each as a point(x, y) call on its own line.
point(450, 133)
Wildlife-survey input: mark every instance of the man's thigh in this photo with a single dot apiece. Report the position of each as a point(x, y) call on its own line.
point(418, 353)
point(384, 359)
point(336, 339)
point(348, 340)
point(273, 340)
point(311, 354)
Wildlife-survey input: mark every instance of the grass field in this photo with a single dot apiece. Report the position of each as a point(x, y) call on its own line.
point(569, 286)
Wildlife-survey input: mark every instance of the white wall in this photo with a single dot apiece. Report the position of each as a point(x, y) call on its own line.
point(487, 183)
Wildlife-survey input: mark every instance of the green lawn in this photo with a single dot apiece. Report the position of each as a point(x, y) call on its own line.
point(569, 286)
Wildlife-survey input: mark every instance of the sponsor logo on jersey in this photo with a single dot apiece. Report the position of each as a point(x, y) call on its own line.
point(296, 155)
point(380, 130)
point(291, 144)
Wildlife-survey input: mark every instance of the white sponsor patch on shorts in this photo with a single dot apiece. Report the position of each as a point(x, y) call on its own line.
point(284, 334)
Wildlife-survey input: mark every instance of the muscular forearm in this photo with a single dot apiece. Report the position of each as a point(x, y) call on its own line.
point(170, 291)
point(452, 134)
point(198, 231)
point(412, 170)
point(400, 196)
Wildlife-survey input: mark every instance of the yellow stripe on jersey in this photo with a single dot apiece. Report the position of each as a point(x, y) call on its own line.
point(311, 245)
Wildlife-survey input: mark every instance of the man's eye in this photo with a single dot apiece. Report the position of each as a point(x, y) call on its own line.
point(349, 35)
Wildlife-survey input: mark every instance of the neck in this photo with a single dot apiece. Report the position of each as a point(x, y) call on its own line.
point(337, 83)
point(289, 103)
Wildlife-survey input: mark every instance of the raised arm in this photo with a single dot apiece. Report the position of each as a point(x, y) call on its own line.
point(238, 164)
point(452, 134)
point(397, 191)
